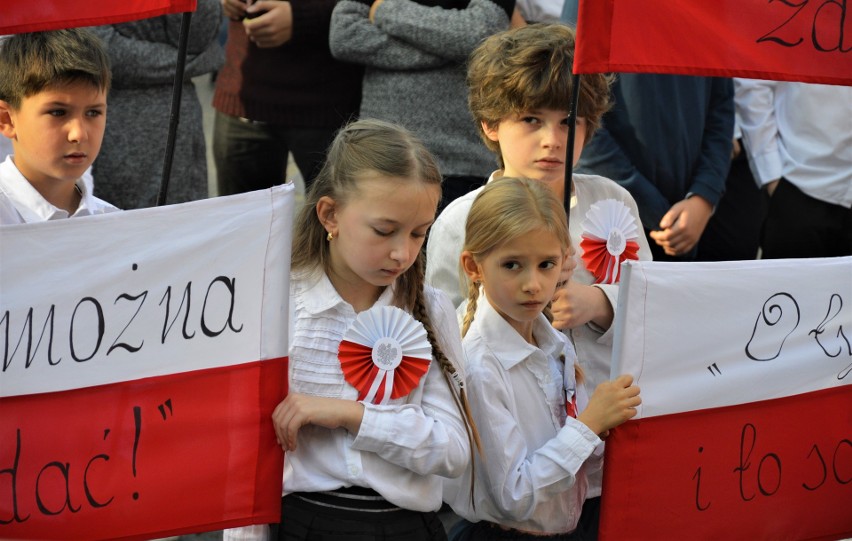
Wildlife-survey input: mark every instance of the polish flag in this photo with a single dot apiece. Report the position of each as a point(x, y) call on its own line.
point(806, 41)
point(142, 355)
point(745, 427)
point(20, 16)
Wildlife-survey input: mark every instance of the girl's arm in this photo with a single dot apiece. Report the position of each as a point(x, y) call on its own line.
point(518, 477)
point(612, 403)
point(428, 437)
point(298, 410)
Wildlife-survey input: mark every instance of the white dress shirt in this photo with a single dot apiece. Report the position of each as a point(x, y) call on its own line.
point(541, 11)
point(21, 203)
point(799, 131)
point(533, 476)
point(402, 448)
point(593, 344)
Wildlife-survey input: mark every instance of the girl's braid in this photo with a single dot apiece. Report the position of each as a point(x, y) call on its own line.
point(472, 299)
point(450, 374)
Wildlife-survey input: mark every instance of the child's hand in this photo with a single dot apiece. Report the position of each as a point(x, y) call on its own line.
point(577, 304)
point(298, 410)
point(612, 403)
point(274, 27)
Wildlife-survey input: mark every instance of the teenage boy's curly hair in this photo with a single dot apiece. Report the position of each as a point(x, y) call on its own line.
point(529, 68)
point(30, 63)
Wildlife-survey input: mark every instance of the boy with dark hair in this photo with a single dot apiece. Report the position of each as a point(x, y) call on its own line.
point(520, 89)
point(53, 90)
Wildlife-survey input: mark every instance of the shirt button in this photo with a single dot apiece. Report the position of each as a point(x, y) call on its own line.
point(353, 471)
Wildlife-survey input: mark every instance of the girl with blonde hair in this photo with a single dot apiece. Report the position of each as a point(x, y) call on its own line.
point(540, 431)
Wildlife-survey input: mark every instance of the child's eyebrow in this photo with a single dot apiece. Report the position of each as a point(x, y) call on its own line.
point(390, 221)
point(59, 103)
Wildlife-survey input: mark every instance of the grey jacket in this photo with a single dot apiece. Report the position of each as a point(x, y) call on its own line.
point(415, 57)
point(143, 55)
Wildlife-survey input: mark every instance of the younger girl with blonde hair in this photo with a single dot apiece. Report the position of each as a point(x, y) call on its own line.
point(538, 427)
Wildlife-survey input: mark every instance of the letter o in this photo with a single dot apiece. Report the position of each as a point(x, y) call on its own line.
point(101, 327)
point(777, 461)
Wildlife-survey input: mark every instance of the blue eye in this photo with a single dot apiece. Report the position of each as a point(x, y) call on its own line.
point(56, 112)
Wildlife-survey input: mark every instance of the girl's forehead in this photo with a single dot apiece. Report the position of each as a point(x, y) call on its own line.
point(531, 240)
point(374, 185)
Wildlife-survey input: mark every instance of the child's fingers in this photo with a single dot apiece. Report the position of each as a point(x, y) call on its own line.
point(286, 420)
point(631, 391)
point(624, 380)
point(279, 422)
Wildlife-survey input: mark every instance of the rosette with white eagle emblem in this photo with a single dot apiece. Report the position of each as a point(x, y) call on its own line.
point(384, 354)
point(610, 236)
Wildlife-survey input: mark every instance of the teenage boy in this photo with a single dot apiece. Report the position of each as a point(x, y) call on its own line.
point(520, 88)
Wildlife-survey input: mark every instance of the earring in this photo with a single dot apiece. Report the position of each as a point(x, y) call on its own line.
point(329, 237)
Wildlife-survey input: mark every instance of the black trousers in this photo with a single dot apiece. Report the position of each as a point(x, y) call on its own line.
point(253, 156)
point(798, 225)
point(733, 232)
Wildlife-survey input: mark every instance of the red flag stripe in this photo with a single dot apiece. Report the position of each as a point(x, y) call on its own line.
point(809, 41)
point(148, 458)
point(19, 16)
point(776, 469)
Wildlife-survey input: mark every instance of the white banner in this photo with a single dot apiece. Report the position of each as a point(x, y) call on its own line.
point(120, 296)
point(705, 335)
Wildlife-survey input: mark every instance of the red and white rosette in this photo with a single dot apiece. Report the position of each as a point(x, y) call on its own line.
point(384, 354)
point(610, 236)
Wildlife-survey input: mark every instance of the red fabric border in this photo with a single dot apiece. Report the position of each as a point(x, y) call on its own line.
point(19, 16)
point(725, 38)
point(653, 466)
point(148, 458)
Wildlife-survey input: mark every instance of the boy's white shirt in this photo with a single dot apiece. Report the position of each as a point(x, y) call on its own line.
point(21, 203)
point(541, 11)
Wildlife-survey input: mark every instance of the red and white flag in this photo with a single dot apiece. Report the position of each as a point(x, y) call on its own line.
point(142, 355)
point(745, 427)
point(807, 40)
point(19, 16)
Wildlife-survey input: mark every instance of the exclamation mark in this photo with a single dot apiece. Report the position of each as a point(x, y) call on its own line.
point(137, 418)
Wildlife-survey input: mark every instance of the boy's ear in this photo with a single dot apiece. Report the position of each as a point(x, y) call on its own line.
point(470, 267)
point(327, 214)
point(7, 127)
point(490, 132)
